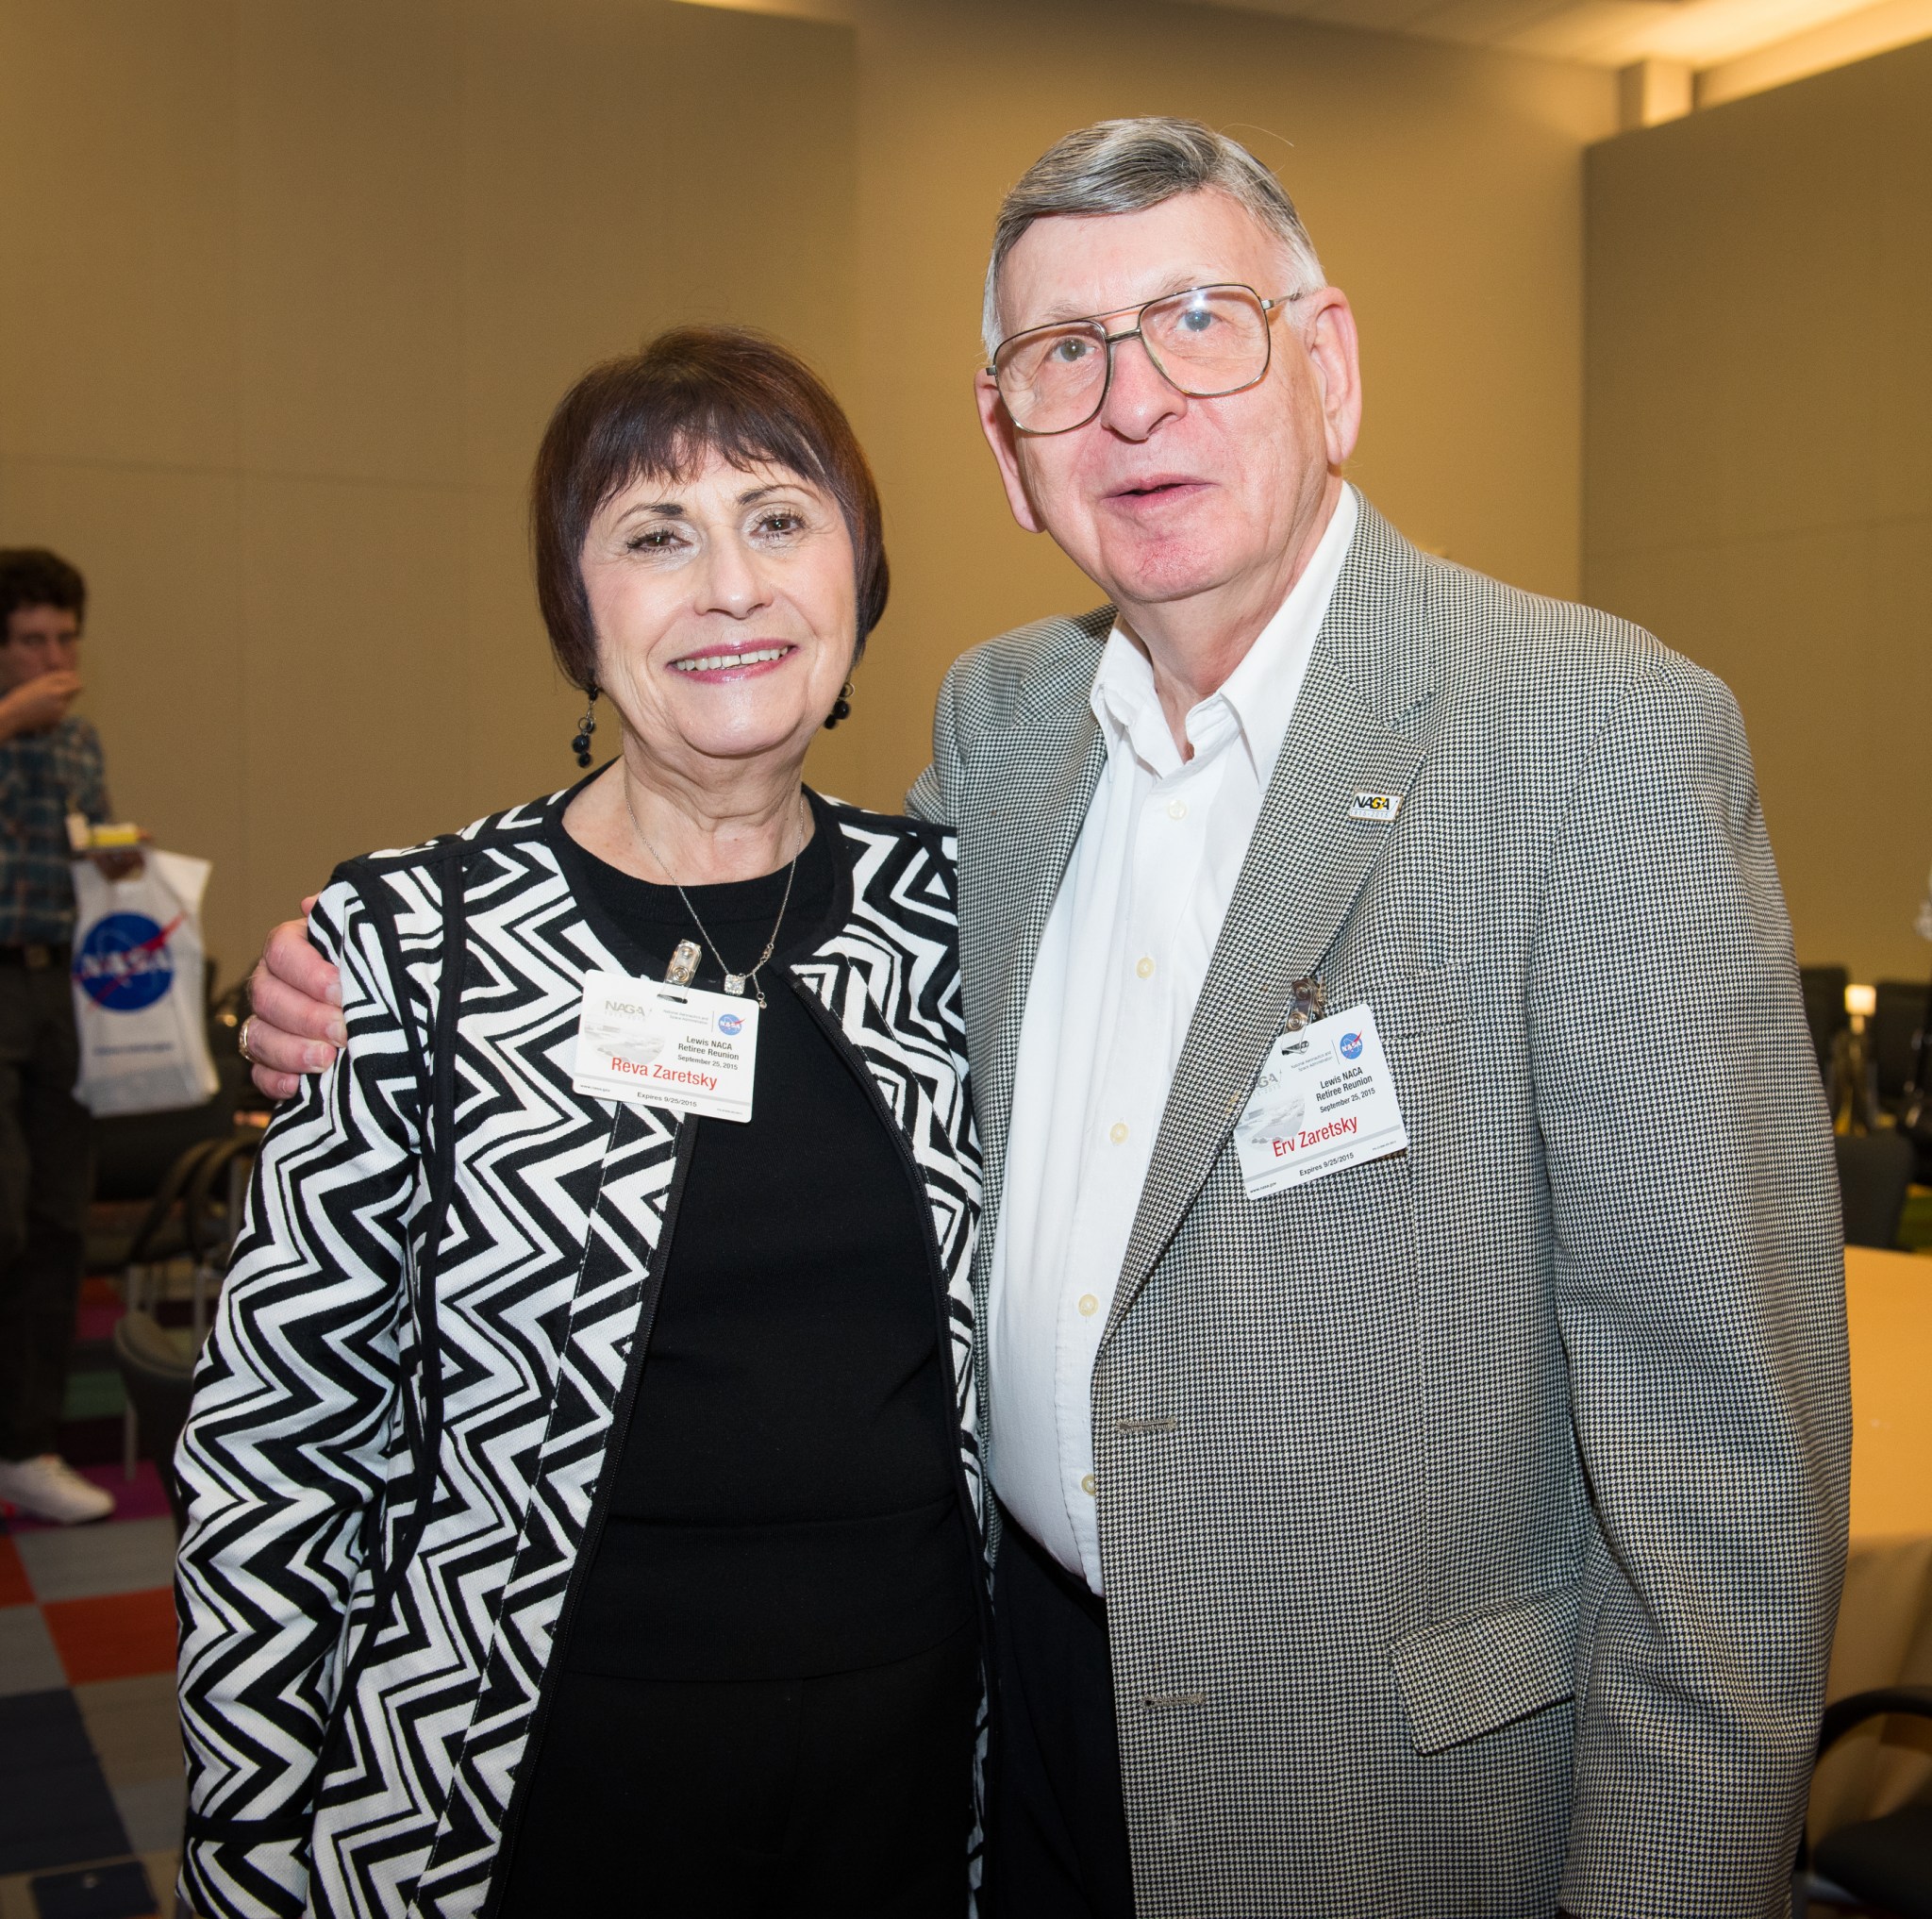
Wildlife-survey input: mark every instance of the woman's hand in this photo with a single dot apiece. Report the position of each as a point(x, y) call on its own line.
point(295, 1021)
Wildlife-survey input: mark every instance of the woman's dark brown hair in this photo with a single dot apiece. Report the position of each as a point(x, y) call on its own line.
point(691, 392)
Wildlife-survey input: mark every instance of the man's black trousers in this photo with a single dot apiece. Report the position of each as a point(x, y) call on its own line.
point(46, 1178)
point(1056, 1834)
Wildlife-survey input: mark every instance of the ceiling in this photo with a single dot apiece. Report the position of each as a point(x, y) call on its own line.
point(1612, 33)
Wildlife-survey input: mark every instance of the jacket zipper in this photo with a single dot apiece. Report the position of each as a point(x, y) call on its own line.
point(593, 1526)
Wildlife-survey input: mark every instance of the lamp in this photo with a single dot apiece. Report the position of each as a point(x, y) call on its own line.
point(1853, 1069)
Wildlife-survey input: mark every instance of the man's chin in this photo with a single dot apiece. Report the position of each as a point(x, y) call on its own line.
point(1153, 573)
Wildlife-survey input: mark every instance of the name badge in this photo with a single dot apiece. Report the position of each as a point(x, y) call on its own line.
point(1324, 1099)
point(674, 1047)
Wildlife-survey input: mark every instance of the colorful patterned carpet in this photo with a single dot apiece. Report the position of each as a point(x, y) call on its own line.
point(90, 1788)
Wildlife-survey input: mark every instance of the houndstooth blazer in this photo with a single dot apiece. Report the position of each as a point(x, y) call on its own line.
point(1473, 1520)
point(429, 1343)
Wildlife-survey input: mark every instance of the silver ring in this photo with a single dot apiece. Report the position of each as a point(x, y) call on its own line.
point(241, 1042)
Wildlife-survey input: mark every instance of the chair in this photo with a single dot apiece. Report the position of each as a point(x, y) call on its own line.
point(182, 1220)
point(211, 1214)
point(162, 1233)
point(1884, 1863)
point(157, 1378)
point(1874, 1171)
point(1823, 988)
point(1897, 1020)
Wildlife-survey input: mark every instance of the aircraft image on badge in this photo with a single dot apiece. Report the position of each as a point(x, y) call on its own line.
point(1275, 1110)
point(634, 1049)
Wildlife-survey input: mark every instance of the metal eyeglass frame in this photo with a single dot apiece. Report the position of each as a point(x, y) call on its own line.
point(1109, 341)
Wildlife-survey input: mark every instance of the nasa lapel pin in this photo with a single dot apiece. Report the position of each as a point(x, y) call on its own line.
point(1308, 998)
point(1375, 805)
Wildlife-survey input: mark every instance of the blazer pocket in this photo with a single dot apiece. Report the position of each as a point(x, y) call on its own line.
point(1466, 1676)
point(1418, 1003)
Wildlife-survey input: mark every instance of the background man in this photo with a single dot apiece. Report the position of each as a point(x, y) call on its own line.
point(50, 766)
point(1460, 1531)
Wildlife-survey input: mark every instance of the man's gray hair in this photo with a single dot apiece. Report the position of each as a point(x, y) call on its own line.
point(1120, 166)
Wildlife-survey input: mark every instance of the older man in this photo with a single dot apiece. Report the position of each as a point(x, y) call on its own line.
point(1415, 1352)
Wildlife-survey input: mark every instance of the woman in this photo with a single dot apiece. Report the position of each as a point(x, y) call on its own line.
point(584, 1484)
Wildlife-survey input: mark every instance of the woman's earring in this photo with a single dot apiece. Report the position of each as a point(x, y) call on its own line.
point(586, 726)
point(842, 706)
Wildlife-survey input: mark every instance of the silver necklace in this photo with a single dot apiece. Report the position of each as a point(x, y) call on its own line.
point(734, 982)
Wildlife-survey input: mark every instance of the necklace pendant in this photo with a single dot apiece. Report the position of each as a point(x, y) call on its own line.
point(734, 982)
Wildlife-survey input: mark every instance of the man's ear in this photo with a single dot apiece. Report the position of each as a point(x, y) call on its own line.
point(1329, 337)
point(996, 423)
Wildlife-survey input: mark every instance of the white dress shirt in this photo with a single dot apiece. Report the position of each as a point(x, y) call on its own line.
point(1120, 965)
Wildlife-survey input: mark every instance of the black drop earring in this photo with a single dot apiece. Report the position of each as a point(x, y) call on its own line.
point(842, 706)
point(586, 726)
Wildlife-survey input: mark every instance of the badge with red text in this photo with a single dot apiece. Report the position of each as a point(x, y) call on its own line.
point(665, 1045)
point(1325, 1100)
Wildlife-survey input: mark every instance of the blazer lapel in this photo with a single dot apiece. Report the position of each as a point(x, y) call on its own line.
point(1023, 799)
point(1306, 862)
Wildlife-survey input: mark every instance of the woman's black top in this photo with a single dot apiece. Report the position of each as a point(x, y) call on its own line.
point(785, 1501)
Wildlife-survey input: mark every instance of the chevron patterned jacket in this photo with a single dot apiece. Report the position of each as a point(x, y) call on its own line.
point(428, 1344)
point(1473, 1520)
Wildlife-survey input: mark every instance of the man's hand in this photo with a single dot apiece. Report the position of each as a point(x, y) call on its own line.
point(118, 862)
point(296, 1024)
point(39, 703)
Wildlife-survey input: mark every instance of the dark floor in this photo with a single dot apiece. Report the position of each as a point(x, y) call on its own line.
point(90, 1787)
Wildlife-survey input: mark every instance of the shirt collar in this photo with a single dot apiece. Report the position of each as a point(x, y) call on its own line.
point(1257, 702)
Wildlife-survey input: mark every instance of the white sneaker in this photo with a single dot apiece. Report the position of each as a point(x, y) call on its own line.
point(49, 1488)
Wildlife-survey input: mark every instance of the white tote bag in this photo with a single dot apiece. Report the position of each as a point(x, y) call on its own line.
point(138, 988)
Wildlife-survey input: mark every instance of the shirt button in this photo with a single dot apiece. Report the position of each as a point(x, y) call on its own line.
point(1087, 1484)
point(1117, 1131)
point(1089, 1305)
point(1145, 968)
point(1176, 808)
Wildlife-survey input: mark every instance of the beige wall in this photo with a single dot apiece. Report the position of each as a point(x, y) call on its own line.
point(305, 281)
point(291, 291)
point(1759, 475)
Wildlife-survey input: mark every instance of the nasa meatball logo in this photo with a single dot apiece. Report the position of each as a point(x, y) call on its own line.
point(123, 964)
point(1351, 1045)
point(731, 1024)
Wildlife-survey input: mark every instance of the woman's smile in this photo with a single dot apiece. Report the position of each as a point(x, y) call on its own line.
point(738, 663)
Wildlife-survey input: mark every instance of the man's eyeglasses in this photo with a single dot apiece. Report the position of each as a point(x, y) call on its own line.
point(1207, 342)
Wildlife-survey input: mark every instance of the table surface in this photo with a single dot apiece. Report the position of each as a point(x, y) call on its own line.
point(1889, 1301)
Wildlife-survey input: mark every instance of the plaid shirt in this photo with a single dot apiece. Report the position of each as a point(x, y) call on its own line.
point(43, 778)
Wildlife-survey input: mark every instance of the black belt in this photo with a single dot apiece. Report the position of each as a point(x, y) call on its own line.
point(37, 958)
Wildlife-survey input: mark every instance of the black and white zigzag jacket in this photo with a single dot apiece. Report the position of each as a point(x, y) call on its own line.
point(428, 1344)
